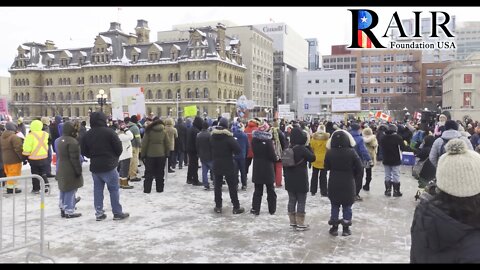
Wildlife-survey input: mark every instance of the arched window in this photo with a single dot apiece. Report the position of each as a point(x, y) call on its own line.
point(16, 97)
point(225, 94)
point(90, 95)
point(22, 97)
point(45, 96)
point(205, 75)
point(69, 96)
point(219, 76)
point(205, 93)
point(77, 112)
point(77, 96)
point(159, 79)
point(169, 94)
point(230, 78)
point(96, 79)
point(197, 93)
point(27, 96)
point(23, 82)
point(28, 82)
point(219, 93)
point(159, 94)
point(15, 82)
point(110, 78)
point(105, 79)
point(60, 81)
point(199, 74)
point(149, 94)
point(60, 96)
point(148, 78)
point(194, 75)
point(101, 79)
point(52, 97)
point(189, 93)
point(179, 94)
point(177, 77)
point(46, 82)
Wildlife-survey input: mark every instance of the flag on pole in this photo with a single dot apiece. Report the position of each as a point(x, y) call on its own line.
point(383, 116)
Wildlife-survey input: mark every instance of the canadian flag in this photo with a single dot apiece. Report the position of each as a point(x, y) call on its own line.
point(417, 115)
point(383, 116)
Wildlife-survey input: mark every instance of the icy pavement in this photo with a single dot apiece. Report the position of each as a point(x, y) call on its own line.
point(179, 226)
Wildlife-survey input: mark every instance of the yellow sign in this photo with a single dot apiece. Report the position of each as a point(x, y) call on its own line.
point(190, 111)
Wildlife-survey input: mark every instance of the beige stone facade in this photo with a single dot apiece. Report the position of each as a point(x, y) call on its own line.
point(206, 70)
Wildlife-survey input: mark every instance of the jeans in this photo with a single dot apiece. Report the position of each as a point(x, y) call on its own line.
point(335, 211)
point(206, 166)
point(123, 167)
point(109, 178)
point(298, 200)
point(67, 201)
point(392, 173)
point(240, 167)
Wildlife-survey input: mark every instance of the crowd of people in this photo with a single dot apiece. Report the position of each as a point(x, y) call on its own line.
point(340, 156)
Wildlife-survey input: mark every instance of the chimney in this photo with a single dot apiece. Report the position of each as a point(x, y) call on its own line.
point(50, 45)
point(142, 31)
point(220, 46)
point(115, 26)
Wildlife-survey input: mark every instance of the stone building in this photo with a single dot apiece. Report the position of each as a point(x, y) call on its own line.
point(205, 70)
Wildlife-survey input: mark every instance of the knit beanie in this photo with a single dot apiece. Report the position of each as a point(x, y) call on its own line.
point(450, 124)
point(458, 170)
point(223, 122)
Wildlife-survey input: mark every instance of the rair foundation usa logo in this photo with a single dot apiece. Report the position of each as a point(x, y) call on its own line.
point(415, 37)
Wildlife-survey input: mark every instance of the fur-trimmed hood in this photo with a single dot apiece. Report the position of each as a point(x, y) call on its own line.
point(262, 135)
point(220, 131)
point(341, 139)
point(320, 135)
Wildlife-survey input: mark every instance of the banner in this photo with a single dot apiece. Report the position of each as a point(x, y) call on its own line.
point(127, 102)
point(190, 111)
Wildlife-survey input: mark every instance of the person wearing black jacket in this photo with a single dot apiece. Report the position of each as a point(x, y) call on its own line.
point(224, 147)
point(102, 145)
point(446, 227)
point(392, 160)
point(427, 173)
point(192, 173)
point(296, 179)
point(180, 143)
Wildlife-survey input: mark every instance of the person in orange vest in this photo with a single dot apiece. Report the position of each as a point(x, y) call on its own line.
point(11, 146)
point(35, 147)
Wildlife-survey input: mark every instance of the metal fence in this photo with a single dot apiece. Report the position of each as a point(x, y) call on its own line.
point(8, 239)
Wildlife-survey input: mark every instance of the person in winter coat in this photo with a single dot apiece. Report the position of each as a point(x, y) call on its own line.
point(392, 160)
point(133, 126)
point(35, 146)
point(263, 169)
point(427, 173)
point(102, 145)
point(205, 153)
point(450, 132)
point(172, 136)
point(279, 143)
point(363, 154)
point(224, 147)
point(371, 144)
point(180, 143)
point(154, 152)
point(296, 179)
point(446, 227)
point(69, 171)
point(344, 165)
point(242, 139)
point(380, 133)
point(126, 137)
point(252, 125)
point(440, 126)
point(318, 143)
point(46, 127)
point(192, 173)
point(11, 151)
point(81, 133)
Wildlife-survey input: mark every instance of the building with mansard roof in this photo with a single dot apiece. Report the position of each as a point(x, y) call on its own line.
point(204, 70)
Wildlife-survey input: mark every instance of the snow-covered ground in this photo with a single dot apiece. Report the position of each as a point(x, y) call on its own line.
point(179, 225)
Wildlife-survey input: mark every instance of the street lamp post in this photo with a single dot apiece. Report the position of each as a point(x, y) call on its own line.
point(102, 98)
point(278, 107)
point(324, 113)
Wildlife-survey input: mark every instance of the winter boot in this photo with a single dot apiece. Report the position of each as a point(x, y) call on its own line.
point(301, 226)
point(346, 230)
point(366, 187)
point(334, 230)
point(124, 184)
point(272, 204)
point(388, 188)
point(293, 221)
point(396, 190)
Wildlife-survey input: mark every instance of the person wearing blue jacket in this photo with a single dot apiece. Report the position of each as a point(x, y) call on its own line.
point(362, 153)
point(242, 139)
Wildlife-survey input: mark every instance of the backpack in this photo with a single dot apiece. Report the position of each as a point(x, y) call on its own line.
point(442, 148)
point(288, 158)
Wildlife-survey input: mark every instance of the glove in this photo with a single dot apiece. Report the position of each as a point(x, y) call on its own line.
point(24, 162)
point(370, 163)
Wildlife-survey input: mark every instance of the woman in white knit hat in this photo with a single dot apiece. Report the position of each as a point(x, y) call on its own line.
point(446, 228)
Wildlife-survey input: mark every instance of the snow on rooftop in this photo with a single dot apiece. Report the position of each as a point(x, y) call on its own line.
point(157, 46)
point(68, 53)
point(137, 49)
point(234, 42)
point(176, 47)
point(201, 33)
point(106, 39)
point(51, 55)
point(25, 47)
point(83, 53)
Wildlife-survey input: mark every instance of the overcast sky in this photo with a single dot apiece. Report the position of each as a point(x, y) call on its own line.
point(71, 27)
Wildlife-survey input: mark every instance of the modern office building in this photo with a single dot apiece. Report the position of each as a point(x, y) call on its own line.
point(313, 54)
point(467, 39)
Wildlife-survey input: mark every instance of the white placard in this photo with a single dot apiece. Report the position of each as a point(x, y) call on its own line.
point(345, 104)
point(127, 102)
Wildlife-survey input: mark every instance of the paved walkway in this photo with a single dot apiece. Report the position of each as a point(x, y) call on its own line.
point(179, 226)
